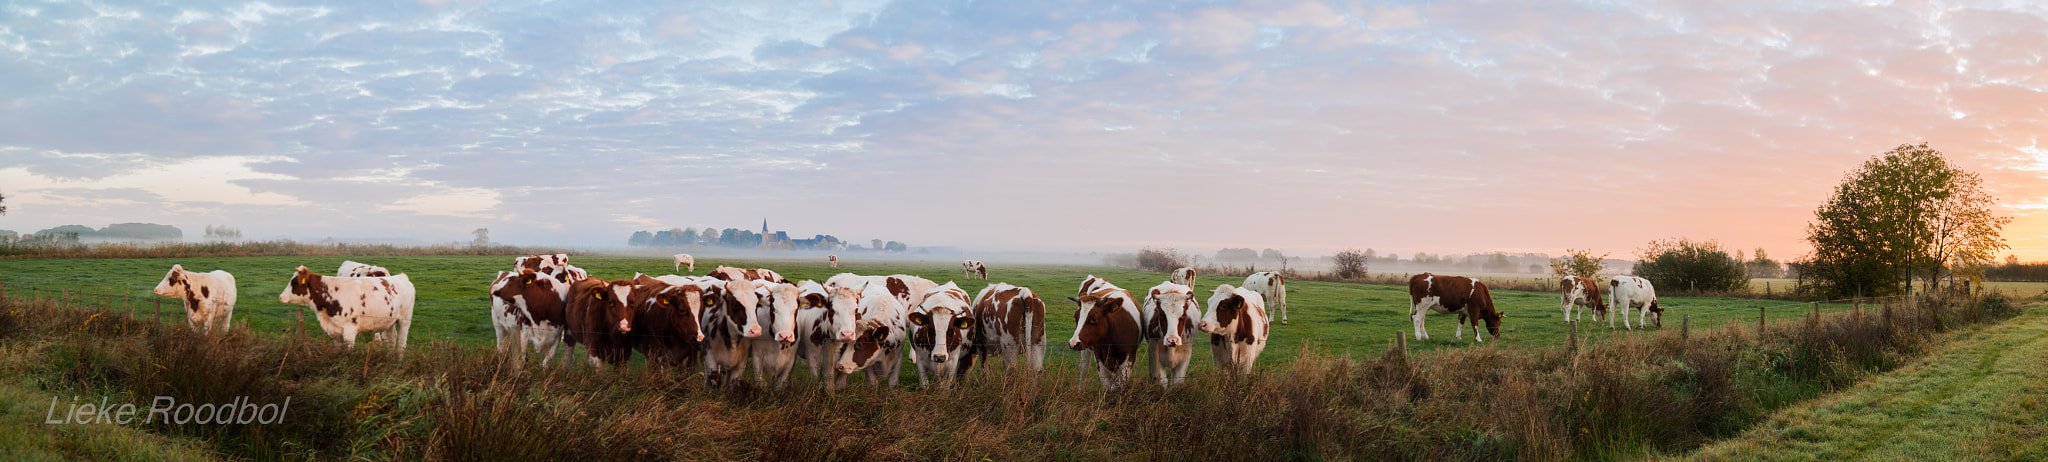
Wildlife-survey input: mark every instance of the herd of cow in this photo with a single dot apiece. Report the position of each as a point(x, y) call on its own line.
point(734, 318)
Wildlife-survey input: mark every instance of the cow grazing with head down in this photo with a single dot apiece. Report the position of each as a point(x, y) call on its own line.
point(1238, 325)
point(1632, 293)
point(824, 322)
point(361, 270)
point(974, 269)
point(529, 309)
point(209, 297)
point(1012, 324)
point(667, 321)
point(1184, 276)
point(1106, 325)
point(1463, 296)
point(1273, 287)
point(730, 324)
point(1169, 317)
point(684, 259)
point(877, 346)
point(1582, 292)
point(941, 335)
point(345, 306)
point(600, 321)
point(774, 352)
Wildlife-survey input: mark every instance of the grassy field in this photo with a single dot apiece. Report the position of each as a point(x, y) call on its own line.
point(1982, 397)
point(1329, 318)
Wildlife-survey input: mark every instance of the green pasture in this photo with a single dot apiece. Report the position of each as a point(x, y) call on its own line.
point(1338, 318)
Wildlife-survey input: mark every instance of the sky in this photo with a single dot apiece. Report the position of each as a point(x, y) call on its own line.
point(1307, 126)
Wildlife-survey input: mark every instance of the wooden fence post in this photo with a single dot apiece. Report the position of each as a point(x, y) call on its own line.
point(64, 297)
point(1572, 339)
point(1685, 329)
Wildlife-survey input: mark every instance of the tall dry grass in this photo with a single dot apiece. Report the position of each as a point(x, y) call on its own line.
point(1625, 399)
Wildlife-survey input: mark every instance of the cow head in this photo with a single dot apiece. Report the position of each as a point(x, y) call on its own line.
point(777, 305)
point(1170, 309)
point(845, 304)
point(1224, 306)
point(1092, 317)
point(299, 291)
point(876, 339)
point(947, 316)
point(1656, 313)
point(173, 284)
point(686, 306)
point(736, 301)
point(610, 298)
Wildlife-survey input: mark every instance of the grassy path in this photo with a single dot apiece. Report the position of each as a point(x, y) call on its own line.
point(1982, 397)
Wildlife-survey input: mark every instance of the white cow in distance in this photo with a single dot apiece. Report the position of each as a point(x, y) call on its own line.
point(209, 297)
point(684, 259)
point(1633, 293)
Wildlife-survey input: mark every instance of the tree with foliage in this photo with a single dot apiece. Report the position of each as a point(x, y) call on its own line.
point(1762, 266)
point(894, 246)
point(686, 236)
point(1270, 254)
point(1903, 214)
point(640, 239)
point(1351, 263)
point(1686, 265)
point(483, 237)
point(663, 238)
point(1579, 263)
point(1160, 260)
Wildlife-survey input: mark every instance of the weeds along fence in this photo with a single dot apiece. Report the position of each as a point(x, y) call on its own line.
point(26, 250)
point(1655, 394)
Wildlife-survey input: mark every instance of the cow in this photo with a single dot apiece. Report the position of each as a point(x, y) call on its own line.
point(1106, 325)
point(727, 273)
point(1169, 316)
point(667, 321)
point(729, 325)
point(1463, 296)
point(209, 297)
point(1184, 276)
point(600, 321)
point(877, 346)
point(555, 266)
point(528, 309)
point(1582, 291)
point(941, 335)
point(684, 259)
point(345, 306)
point(1089, 285)
point(1632, 293)
point(1237, 327)
point(774, 355)
point(824, 322)
point(1273, 287)
point(1012, 324)
point(834, 259)
point(361, 270)
point(974, 269)
point(908, 290)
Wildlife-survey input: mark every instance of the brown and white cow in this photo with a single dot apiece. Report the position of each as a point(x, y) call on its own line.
point(1169, 316)
point(1012, 325)
point(974, 269)
point(824, 322)
point(878, 345)
point(942, 335)
point(684, 259)
point(1106, 324)
point(727, 273)
point(1184, 276)
point(908, 290)
point(209, 297)
point(555, 266)
point(834, 259)
point(1582, 292)
point(1463, 296)
point(1089, 285)
point(600, 321)
point(774, 352)
point(345, 306)
point(361, 270)
point(1238, 325)
point(729, 327)
point(1632, 293)
point(528, 309)
point(667, 321)
point(1273, 287)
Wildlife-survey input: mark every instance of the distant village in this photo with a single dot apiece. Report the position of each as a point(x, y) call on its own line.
point(764, 239)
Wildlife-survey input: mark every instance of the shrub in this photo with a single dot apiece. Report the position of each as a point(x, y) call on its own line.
point(1579, 263)
point(1160, 260)
point(1350, 263)
point(1694, 266)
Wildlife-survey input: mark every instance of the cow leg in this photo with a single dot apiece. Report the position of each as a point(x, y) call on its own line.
point(348, 336)
point(1158, 354)
point(1415, 314)
point(1458, 331)
point(1182, 358)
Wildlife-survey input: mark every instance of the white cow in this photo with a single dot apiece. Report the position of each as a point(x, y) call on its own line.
point(348, 306)
point(1170, 313)
point(824, 322)
point(942, 335)
point(684, 259)
point(361, 270)
point(1238, 328)
point(1184, 276)
point(529, 309)
point(1273, 287)
point(209, 297)
point(774, 355)
point(1633, 293)
point(974, 269)
point(834, 259)
point(1011, 324)
point(878, 345)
